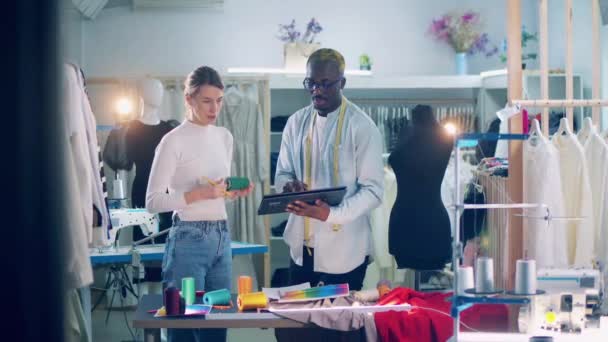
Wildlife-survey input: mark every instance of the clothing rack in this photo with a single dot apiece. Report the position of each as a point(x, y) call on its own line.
point(392, 114)
point(460, 303)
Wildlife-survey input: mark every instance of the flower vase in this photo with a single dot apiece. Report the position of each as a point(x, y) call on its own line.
point(461, 63)
point(296, 55)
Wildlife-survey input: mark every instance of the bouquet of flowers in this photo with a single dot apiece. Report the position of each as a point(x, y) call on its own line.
point(289, 33)
point(462, 31)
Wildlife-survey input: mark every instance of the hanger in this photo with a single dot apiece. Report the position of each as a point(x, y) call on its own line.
point(564, 128)
point(232, 94)
point(536, 133)
point(587, 130)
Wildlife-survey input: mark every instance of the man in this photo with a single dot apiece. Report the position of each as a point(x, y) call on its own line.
point(330, 143)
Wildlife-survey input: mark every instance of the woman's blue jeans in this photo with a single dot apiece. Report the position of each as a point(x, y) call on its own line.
point(198, 249)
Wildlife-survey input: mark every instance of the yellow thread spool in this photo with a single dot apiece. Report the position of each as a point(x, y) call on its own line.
point(252, 301)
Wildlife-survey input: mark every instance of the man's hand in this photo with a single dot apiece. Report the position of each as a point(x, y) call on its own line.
point(319, 211)
point(295, 186)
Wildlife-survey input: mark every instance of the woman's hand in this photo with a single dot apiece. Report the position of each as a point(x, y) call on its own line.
point(206, 192)
point(240, 193)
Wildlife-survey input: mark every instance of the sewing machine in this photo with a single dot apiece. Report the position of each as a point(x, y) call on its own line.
point(127, 217)
point(571, 297)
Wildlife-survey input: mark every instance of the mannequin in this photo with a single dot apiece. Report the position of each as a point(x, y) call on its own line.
point(143, 135)
point(151, 97)
point(419, 227)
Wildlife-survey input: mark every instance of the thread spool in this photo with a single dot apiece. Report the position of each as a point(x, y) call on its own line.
point(525, 277)
point(171, 301)
point(252, 301)
point(218, 297)
point(466, 279)
point(244, 285)
point(188, 291)
point(237, 183)
point(484, 275)
point(118, 189)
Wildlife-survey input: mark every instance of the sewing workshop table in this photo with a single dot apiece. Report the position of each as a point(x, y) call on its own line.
point(150, 253)
point(216, 319)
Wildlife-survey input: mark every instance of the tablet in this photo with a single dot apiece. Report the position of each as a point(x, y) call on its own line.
point(277, 203)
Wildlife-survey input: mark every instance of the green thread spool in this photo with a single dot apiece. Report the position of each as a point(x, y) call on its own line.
point(218, 297)
point(188, 291)
point(237, 183)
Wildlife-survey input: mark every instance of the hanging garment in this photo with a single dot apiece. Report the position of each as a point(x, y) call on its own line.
point(75, 324)
point(379, 221)
point(596, 154)
point(78, 228)
point(544, 241)
point(419, 231)
point(80, 151)
point(243, 118)
point(448, 184)
point(99, 194)
point(576, 191)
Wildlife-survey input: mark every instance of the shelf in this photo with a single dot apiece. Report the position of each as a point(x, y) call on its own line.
point(498, 79)
point(393, 82)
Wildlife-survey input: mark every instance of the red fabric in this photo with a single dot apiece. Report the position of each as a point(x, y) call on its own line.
point(525, 121)
point(421, 325)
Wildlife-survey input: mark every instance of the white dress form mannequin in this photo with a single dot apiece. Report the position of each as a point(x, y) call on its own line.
point(150, 97)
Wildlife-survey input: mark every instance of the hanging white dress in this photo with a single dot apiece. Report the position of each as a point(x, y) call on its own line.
point(79, 218)
point(596, 154)
point(577, 196)
point(243, 118)
point(544, 241)
point(380, 217)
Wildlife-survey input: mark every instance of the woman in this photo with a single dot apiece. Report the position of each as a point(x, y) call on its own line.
point(187, 175)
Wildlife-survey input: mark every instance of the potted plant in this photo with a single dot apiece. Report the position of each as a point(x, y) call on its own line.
point(462, 31)
point(526, 37)
point(298, 47)
point(365, 62)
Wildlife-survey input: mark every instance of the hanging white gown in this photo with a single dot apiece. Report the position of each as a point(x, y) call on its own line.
point(577, 196)
point(544, 241)
point(596, 154)
point(243, 118)
point(79, 212)
point(380, 217)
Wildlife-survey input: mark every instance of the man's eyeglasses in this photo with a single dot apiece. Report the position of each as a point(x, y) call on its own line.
point(310, 84)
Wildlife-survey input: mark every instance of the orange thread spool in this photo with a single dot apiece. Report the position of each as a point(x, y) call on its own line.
point(245, 285)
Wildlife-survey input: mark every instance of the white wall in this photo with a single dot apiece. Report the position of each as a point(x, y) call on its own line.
point(122, 42)
point(582, 44)
point(71, 33)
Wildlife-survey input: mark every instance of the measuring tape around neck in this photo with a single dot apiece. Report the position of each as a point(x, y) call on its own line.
point(336, 165)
